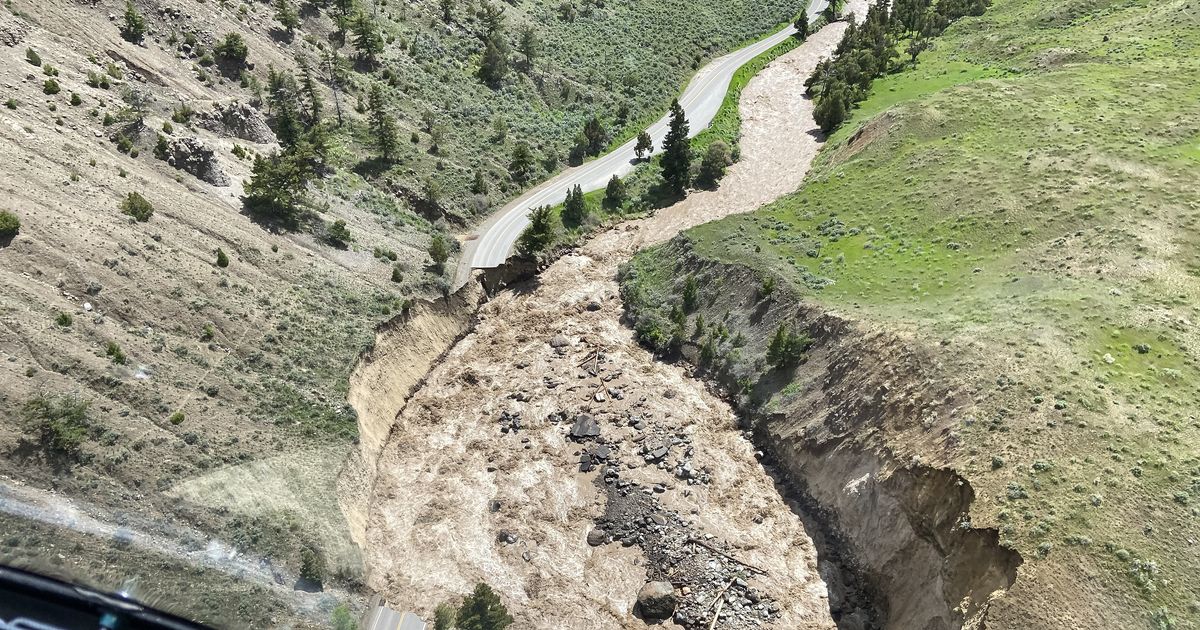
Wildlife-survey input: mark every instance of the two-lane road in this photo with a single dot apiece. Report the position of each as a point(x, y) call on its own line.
point(701, 101)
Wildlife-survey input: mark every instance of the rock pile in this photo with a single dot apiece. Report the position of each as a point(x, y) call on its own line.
point(239, 120)
point(193, 156)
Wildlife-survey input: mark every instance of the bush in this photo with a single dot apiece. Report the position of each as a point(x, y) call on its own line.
point(64, 319)
point(338, 234)
point(177, 418)
point(114, 352)
point(137, 207)
point(691, 294)
point(11, 103)
point(9, 224)
point(232, 48)
point(51, 87)
point(60, 423)
point(439, 250)
point(712, 166)
point(75, 100)
point(32, 57)
point(222, 258)
point(168, 127)
point(312, 566)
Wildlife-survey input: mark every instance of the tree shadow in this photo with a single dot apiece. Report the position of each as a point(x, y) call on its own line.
point(372, 167)
point(281, 35)
point(7, 240)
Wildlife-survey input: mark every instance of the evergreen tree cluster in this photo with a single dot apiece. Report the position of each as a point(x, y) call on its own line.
point(868, 51)
point(278, 182)
point(787, 347)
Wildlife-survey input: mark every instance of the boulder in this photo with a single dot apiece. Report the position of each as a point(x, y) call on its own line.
point(585, 427)
point(192, 156)
point(239, 120)
point(656, 600)
point(597, 537)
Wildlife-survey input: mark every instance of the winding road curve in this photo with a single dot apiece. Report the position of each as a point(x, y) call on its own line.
point(492, 242)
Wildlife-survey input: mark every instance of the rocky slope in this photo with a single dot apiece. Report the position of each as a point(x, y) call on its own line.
point(214, 350)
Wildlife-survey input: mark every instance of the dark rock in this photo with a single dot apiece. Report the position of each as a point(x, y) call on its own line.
point(656, 600)
point(494, 506)
point(193, 156)
point(593, 305)
point(597, 537)
point(585, 427)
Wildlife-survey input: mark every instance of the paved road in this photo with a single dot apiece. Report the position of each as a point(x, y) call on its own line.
point(494, 239)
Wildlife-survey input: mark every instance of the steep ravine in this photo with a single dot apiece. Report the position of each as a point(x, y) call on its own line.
point(858, 433)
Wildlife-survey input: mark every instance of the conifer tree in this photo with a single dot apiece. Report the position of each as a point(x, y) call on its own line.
point(538, 235)
point(383, 127)
point(367, 39)
point(286, 14)
point(677, 152)
point(575, 210)
point(615, 193)
point(483, 610)
point(135, 25)
point(645, 145)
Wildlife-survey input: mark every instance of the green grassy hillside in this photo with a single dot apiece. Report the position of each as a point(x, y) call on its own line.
point(1024, 203)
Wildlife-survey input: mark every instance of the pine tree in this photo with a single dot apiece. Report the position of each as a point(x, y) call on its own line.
point(315, 104)
point(286, 14)
point(677, 152)
point(277, 186)
point(645, 145)
point(538, 235)
point(691, 294)
point(494, 65)
point(135, 25)
point(336, 72)
point(594, 135)
point(522, 162)
point(479, 185)
point(530, 47)
point(615, 193)
point(283, 101)
point(382, 125)
point(778, 343)
point(483, 610)
point(802, 24)
point(447, 11)
point(367, 39)
point(575, 210)
point(439, 250)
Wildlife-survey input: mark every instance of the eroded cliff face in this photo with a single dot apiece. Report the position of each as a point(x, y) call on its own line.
point(861, 433)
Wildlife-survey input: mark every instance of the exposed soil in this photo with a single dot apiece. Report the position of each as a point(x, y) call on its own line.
point(480, 481)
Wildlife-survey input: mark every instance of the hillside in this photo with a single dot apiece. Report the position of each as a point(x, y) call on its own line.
point(990, 281)
point(179, 377)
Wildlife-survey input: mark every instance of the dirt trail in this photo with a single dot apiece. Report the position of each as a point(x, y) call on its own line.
point(458, 500)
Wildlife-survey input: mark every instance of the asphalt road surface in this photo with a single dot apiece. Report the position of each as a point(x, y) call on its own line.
point(493, 241)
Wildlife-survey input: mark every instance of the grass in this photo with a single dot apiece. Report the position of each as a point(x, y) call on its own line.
point(1026, 194)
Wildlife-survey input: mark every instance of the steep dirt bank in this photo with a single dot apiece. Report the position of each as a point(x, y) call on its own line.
point(478, 480)
point(861, 430)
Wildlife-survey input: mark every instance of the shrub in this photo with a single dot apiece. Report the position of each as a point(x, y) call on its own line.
point(787, 347)
point(168, 127)
point(232, 48)
point(114, 352)
point(312, 566)
point(124, 144)
point(98, 80)
point(64, 319)
point(51, 87)
point(75, 100)
point(397, 275)
point(712, 166)
point(161, 148)
point(9, 224)
point(338, 234)
point(49, 70)
point(60, 422)
point(691, 294)
point(222, 258)
point(11, 103)
point(177, 418)
point(114, 71)
point(32, 57)
point(182, 114)
point(136, 206)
